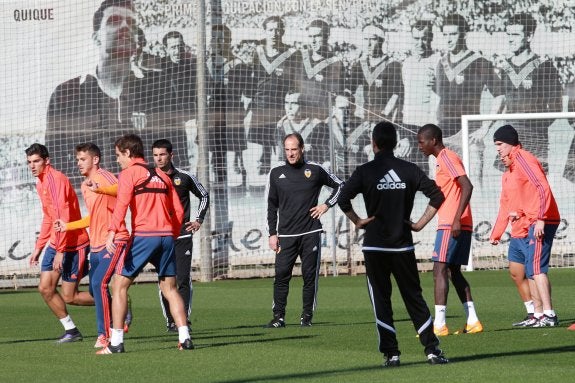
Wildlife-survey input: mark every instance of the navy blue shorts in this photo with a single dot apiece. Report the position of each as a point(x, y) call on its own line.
point(454, 251)
point(159, 251)
point(74, 263)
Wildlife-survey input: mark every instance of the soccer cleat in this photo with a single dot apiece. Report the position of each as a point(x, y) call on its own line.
point(547, 321)
point(470, 329)
point(69, 337)
point(109, 349)
point(277, 322)
point(391, 361)
point(305, 320)
point(441, 331)
point(102, 341)
point(187, 345)
point(129, 316)
point(529, 321)
point(572, 327)
point(172, 327)
point(437, 358)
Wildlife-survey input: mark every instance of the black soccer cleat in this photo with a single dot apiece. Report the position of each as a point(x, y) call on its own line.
point(391, 361)
point(437, 357)
point(70, 336)
point(187, 345)
point(305, 320)
point(277, 322)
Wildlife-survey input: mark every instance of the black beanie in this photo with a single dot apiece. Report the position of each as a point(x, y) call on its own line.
point(507, 134)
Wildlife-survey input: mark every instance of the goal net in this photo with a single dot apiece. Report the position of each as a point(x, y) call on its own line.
point(93, 70)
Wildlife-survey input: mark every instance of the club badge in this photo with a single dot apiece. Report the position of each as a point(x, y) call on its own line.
point(307, 173)
point(177, 181)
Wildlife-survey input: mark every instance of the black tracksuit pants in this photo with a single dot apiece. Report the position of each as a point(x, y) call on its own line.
point(379, 268)
point(183, 253)
point(308, 247)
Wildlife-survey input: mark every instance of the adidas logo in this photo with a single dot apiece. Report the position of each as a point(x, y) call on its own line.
point(282, 176)
point(390, 181)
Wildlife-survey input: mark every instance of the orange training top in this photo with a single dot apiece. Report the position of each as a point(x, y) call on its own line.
point(526, 192)
point(449, 167)
point(59, 201)
point(157, 212)
point(100, 208)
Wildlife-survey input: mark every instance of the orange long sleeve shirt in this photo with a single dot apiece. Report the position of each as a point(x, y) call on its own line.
point(59, 201)
point(449, 168)
point(153, 214)
point(100, 209)
point(526, 192)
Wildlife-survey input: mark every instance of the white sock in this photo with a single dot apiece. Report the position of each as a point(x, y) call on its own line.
point(469, 308)
point(68, 323)
point(439, 316)
point(183, 333)
point(117, 336)
point(529, 306)
point(549, 313)
point(538, 315)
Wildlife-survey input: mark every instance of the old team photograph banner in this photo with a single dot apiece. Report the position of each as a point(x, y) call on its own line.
point(327, 69)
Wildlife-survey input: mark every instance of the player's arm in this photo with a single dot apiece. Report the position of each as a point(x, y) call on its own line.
point(466, 191)
point(204, 200)
point(430, 189)
point(502, 216)
point(62, 226)
point(272, 213)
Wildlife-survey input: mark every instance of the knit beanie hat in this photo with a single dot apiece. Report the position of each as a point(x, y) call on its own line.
point(507, 134)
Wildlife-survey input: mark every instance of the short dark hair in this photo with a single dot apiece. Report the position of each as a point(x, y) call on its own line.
point(38, 149)
point(131, 142)
point(99, 14)
point(318, 23)
point(458, 20)
point(297, 136)
point(384, 136)
point(173, 35)
point(422, 25)
point(91, 148)
point(274, 19)
point(163, 144)
point(526, 20)
point(431, 131)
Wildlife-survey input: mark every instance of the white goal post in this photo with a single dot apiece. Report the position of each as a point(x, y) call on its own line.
point(566, 136)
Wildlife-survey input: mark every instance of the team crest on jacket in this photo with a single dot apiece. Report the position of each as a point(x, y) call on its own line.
point(177, 181)
point(307, 173)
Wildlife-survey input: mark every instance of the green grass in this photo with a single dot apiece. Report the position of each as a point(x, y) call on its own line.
point(232, 346)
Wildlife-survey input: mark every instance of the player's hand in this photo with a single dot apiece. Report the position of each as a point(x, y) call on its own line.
point(513, 216)
point(57, 263)
point(59, 225)
point(34, 257)
point(363, 222)
point(403, 148)
point(93, 186)
point(455, 228)
point(494, 242)
point(413, 225)
point(274, 243)
point(318, 211)
point(192, 226)
point(539, 230)
point(110, 245)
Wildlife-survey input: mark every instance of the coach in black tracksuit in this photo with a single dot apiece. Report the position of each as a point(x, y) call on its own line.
point(389, 185)
point(294, 226)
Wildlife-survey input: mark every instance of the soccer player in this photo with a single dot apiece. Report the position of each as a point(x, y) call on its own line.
point(376, 80)
point(184, 183)
point(531, 85)
point(528, 199)
point(100, 208)
point(273, 75)
point(462, 77)
point(294, 225)
point(322, 73)
point(453, 240)
point(389, 186)
point(65, 256)
point(297, 120)
point(420, 101)
point(157, 216)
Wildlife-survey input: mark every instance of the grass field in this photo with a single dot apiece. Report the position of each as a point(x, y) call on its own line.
point(232, 346)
